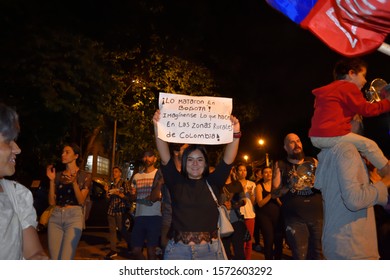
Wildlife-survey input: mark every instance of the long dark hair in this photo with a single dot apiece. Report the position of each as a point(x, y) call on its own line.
point(77, 151)
point(188, 151)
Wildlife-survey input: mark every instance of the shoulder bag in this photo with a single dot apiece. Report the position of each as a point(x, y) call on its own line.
point(224, 225)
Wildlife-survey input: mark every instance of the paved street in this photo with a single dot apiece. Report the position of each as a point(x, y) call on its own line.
point(94, 245)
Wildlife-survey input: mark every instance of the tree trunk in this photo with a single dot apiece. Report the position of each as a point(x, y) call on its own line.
point(90, 144)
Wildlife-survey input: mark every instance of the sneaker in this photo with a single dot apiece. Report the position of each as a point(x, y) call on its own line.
point(110, 255)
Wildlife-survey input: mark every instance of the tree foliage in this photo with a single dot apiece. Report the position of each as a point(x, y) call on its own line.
point(71, 74)
point(60, 84)
point(150, 73)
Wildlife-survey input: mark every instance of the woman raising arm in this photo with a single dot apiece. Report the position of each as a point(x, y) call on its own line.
point(194, 233)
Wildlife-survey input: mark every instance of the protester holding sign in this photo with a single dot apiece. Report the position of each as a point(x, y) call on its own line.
point(194, 233)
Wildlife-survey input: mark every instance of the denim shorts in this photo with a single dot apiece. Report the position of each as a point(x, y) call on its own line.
point(181, 251)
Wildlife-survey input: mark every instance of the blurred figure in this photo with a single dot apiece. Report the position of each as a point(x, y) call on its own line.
point(257, 175)
point(19, 238)
point(118, 194)
point(68, 192)
point(349, 221)
point(247, 210)
point(147, 223)
point(301, 202)
point(233, 197)
point(382, 217)
point(268, 215)
point(257, 178)
point(161, 192)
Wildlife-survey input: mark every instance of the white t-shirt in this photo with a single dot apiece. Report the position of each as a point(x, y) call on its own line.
point(143, 183)
point(247, 210)
point(16, 213)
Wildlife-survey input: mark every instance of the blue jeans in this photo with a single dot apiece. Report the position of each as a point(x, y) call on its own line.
point(181, 251)
point(64, 232)
point(304, 239)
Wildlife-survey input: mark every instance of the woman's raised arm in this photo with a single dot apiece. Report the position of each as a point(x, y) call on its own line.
point(162, 146)
point(232, 148)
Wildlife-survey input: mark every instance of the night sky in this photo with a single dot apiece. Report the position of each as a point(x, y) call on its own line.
point(256, 54)
point(277, 64)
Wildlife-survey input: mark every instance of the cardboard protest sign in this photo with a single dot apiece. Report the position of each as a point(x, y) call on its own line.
point(195, 119)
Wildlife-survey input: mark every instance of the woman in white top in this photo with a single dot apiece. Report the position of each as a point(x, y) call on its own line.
point(247, 210)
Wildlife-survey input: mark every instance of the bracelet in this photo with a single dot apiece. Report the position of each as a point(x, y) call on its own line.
point(237, 134)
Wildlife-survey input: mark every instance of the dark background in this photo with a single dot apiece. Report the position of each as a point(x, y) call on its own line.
point(256, 54)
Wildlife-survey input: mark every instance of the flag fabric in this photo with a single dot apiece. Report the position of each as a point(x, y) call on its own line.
point(373, 15)
point(296, 10)
point(340, 35)
point(351, 28)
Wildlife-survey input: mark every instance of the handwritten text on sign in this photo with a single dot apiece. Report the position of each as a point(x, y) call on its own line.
point(195, 119)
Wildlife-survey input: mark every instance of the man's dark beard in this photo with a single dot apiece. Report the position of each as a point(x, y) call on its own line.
point(148, 163)
point(297, 156)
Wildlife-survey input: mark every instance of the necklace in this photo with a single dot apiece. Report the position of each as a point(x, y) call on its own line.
point(71, 172)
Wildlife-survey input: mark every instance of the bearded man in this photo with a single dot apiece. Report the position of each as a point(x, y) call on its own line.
point(148, 220)
point(293, 182)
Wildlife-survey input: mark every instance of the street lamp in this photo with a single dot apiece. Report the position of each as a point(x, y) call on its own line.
point(246, 157)
point(261, 142)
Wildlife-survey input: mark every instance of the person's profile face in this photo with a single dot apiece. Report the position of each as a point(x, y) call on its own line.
point(116, 173)
point(68, 155)
point(359, 79)
point(8, 151)
point(195, 164)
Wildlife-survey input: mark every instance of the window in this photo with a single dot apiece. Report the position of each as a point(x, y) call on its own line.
point(103, 165)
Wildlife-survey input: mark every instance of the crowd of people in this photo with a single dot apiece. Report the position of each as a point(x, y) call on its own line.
point(322, 208)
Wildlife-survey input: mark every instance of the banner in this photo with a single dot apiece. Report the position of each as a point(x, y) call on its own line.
point(195, 119)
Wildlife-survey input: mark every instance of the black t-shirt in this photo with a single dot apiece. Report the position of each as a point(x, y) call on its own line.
point(193, 207)
point(303, 204)
point(270, 207)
